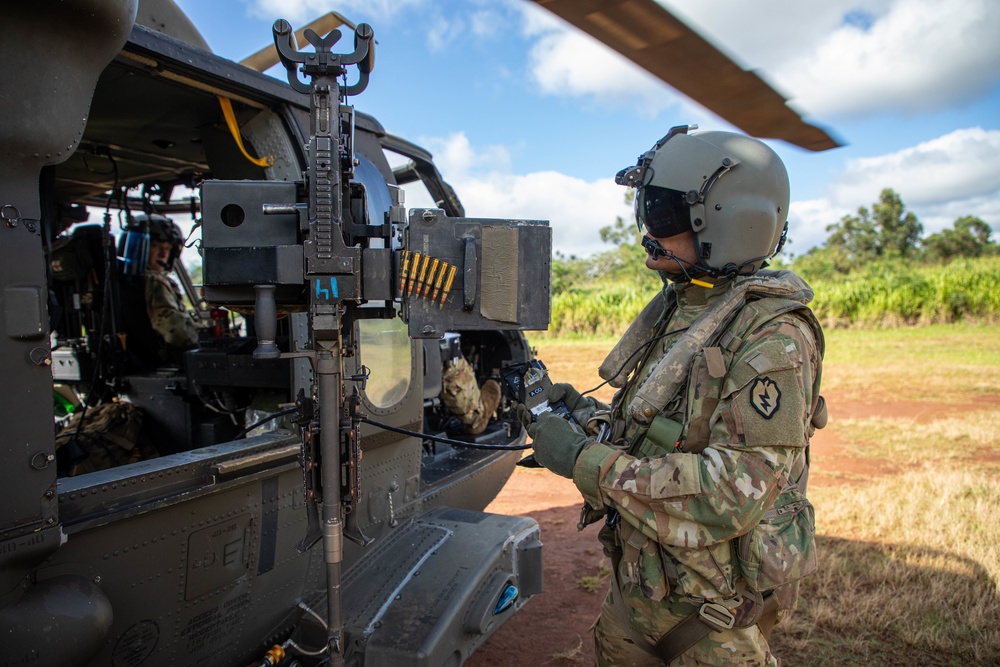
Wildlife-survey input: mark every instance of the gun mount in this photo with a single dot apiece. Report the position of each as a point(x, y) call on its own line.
point(312, 246)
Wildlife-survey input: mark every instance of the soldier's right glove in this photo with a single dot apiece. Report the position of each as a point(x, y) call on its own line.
point(557, 443)
point(582, 407)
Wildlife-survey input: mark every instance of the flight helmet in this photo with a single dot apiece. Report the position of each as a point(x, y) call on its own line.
point(162, 228)
point(729, 189)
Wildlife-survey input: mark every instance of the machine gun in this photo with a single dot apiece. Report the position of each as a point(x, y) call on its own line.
point(312, 248)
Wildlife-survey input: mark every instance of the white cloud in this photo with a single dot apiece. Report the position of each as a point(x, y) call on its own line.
point(566, 62)
point(307, 10)
point(961, 165)
point(487, 23)
point(807, 222)
point(919, 56)
point(444, 32)
point(455, 155)
point(575, 208)
point(941, 180)
point(572, 64)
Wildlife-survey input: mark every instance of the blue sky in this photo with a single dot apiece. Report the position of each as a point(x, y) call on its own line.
point(528, 118)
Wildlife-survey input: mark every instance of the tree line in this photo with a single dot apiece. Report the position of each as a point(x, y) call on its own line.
point(884, 233)
point(887, 232)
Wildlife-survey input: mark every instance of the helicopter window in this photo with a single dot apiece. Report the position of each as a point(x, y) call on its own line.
point(385, 350)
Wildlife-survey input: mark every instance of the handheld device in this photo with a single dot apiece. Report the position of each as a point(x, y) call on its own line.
point(529, 384)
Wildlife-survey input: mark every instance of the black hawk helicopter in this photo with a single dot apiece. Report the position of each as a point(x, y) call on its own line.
point(228, 546)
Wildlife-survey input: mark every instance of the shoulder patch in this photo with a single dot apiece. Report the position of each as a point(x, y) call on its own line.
point(765, 397)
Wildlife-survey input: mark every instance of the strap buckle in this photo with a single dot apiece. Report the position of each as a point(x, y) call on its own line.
point(716, 616)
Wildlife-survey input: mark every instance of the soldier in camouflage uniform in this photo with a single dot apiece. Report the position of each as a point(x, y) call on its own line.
point(164, 304)
point(460, 391)
point(700, 466)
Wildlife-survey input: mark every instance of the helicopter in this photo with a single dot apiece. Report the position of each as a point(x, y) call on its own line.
point(351, 530)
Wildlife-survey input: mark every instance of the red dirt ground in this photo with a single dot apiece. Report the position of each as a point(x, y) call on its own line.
point(553, 628)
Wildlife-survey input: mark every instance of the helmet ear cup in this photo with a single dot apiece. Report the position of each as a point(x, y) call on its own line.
point(745, 209)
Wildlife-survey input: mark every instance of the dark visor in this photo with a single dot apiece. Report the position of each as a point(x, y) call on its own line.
point(663, 212)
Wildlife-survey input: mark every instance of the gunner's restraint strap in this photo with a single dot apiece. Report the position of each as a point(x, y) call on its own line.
point(234, 129)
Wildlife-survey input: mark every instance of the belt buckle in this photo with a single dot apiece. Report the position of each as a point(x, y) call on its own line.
point(717, 616)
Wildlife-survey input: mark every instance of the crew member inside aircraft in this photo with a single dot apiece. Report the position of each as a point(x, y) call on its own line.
point(164, 303)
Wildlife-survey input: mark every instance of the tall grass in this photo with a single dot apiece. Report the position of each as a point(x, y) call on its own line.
point(596, 309)
point(877, 295)
point(892, 295)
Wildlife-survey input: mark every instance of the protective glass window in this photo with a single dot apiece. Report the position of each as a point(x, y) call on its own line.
point(385, 350)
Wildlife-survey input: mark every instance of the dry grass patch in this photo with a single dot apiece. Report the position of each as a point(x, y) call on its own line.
point(964, 438)
point(596, 582)
point(909, 572)
point(573, 654)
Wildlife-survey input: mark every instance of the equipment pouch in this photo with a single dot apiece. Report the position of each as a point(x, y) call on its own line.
point(781, 549)
point(665, 433)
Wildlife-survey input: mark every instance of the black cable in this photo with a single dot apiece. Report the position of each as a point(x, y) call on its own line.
point(260, 422)
point(637, 351)
point(447, 441)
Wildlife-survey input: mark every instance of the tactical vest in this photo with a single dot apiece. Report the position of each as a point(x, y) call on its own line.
point(707, 349)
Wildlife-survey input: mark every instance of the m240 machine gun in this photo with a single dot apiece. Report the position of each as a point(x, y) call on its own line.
point(313, 247)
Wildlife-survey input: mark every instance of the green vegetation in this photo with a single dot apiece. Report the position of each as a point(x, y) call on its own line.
point(874, 270)
point(894, 293)
point(598, 582)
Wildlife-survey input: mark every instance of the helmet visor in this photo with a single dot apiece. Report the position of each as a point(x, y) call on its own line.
point(663, 212)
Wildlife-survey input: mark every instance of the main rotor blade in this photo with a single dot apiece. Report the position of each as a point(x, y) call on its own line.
point(267, 57)
point(653, 38)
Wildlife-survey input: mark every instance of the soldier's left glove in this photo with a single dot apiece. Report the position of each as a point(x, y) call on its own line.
point(582, 407)
point(557, 443)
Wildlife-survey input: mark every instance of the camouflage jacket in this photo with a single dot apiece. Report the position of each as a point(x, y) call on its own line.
point(167, 313)
point(692, 504)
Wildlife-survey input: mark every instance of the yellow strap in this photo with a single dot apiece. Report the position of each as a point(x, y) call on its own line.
point(227, 111)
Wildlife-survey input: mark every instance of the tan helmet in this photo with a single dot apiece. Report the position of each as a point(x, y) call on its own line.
point(731, 190)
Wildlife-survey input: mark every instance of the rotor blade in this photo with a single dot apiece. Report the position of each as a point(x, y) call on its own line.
point(267, 57)
point(651, 37)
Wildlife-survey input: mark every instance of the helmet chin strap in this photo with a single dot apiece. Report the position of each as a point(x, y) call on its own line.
point(655, 250)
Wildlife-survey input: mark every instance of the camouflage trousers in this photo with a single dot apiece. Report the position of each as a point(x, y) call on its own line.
point(738, 647)
point(460, 392)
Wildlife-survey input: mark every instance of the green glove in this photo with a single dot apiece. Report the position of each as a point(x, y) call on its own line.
point(557, 443)
point(582, 407)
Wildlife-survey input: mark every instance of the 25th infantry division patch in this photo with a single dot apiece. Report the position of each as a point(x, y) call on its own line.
point(765, 397)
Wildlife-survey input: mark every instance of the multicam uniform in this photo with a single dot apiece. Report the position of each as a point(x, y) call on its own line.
point(167, 314)
point(716, 507)
point(462, 396)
